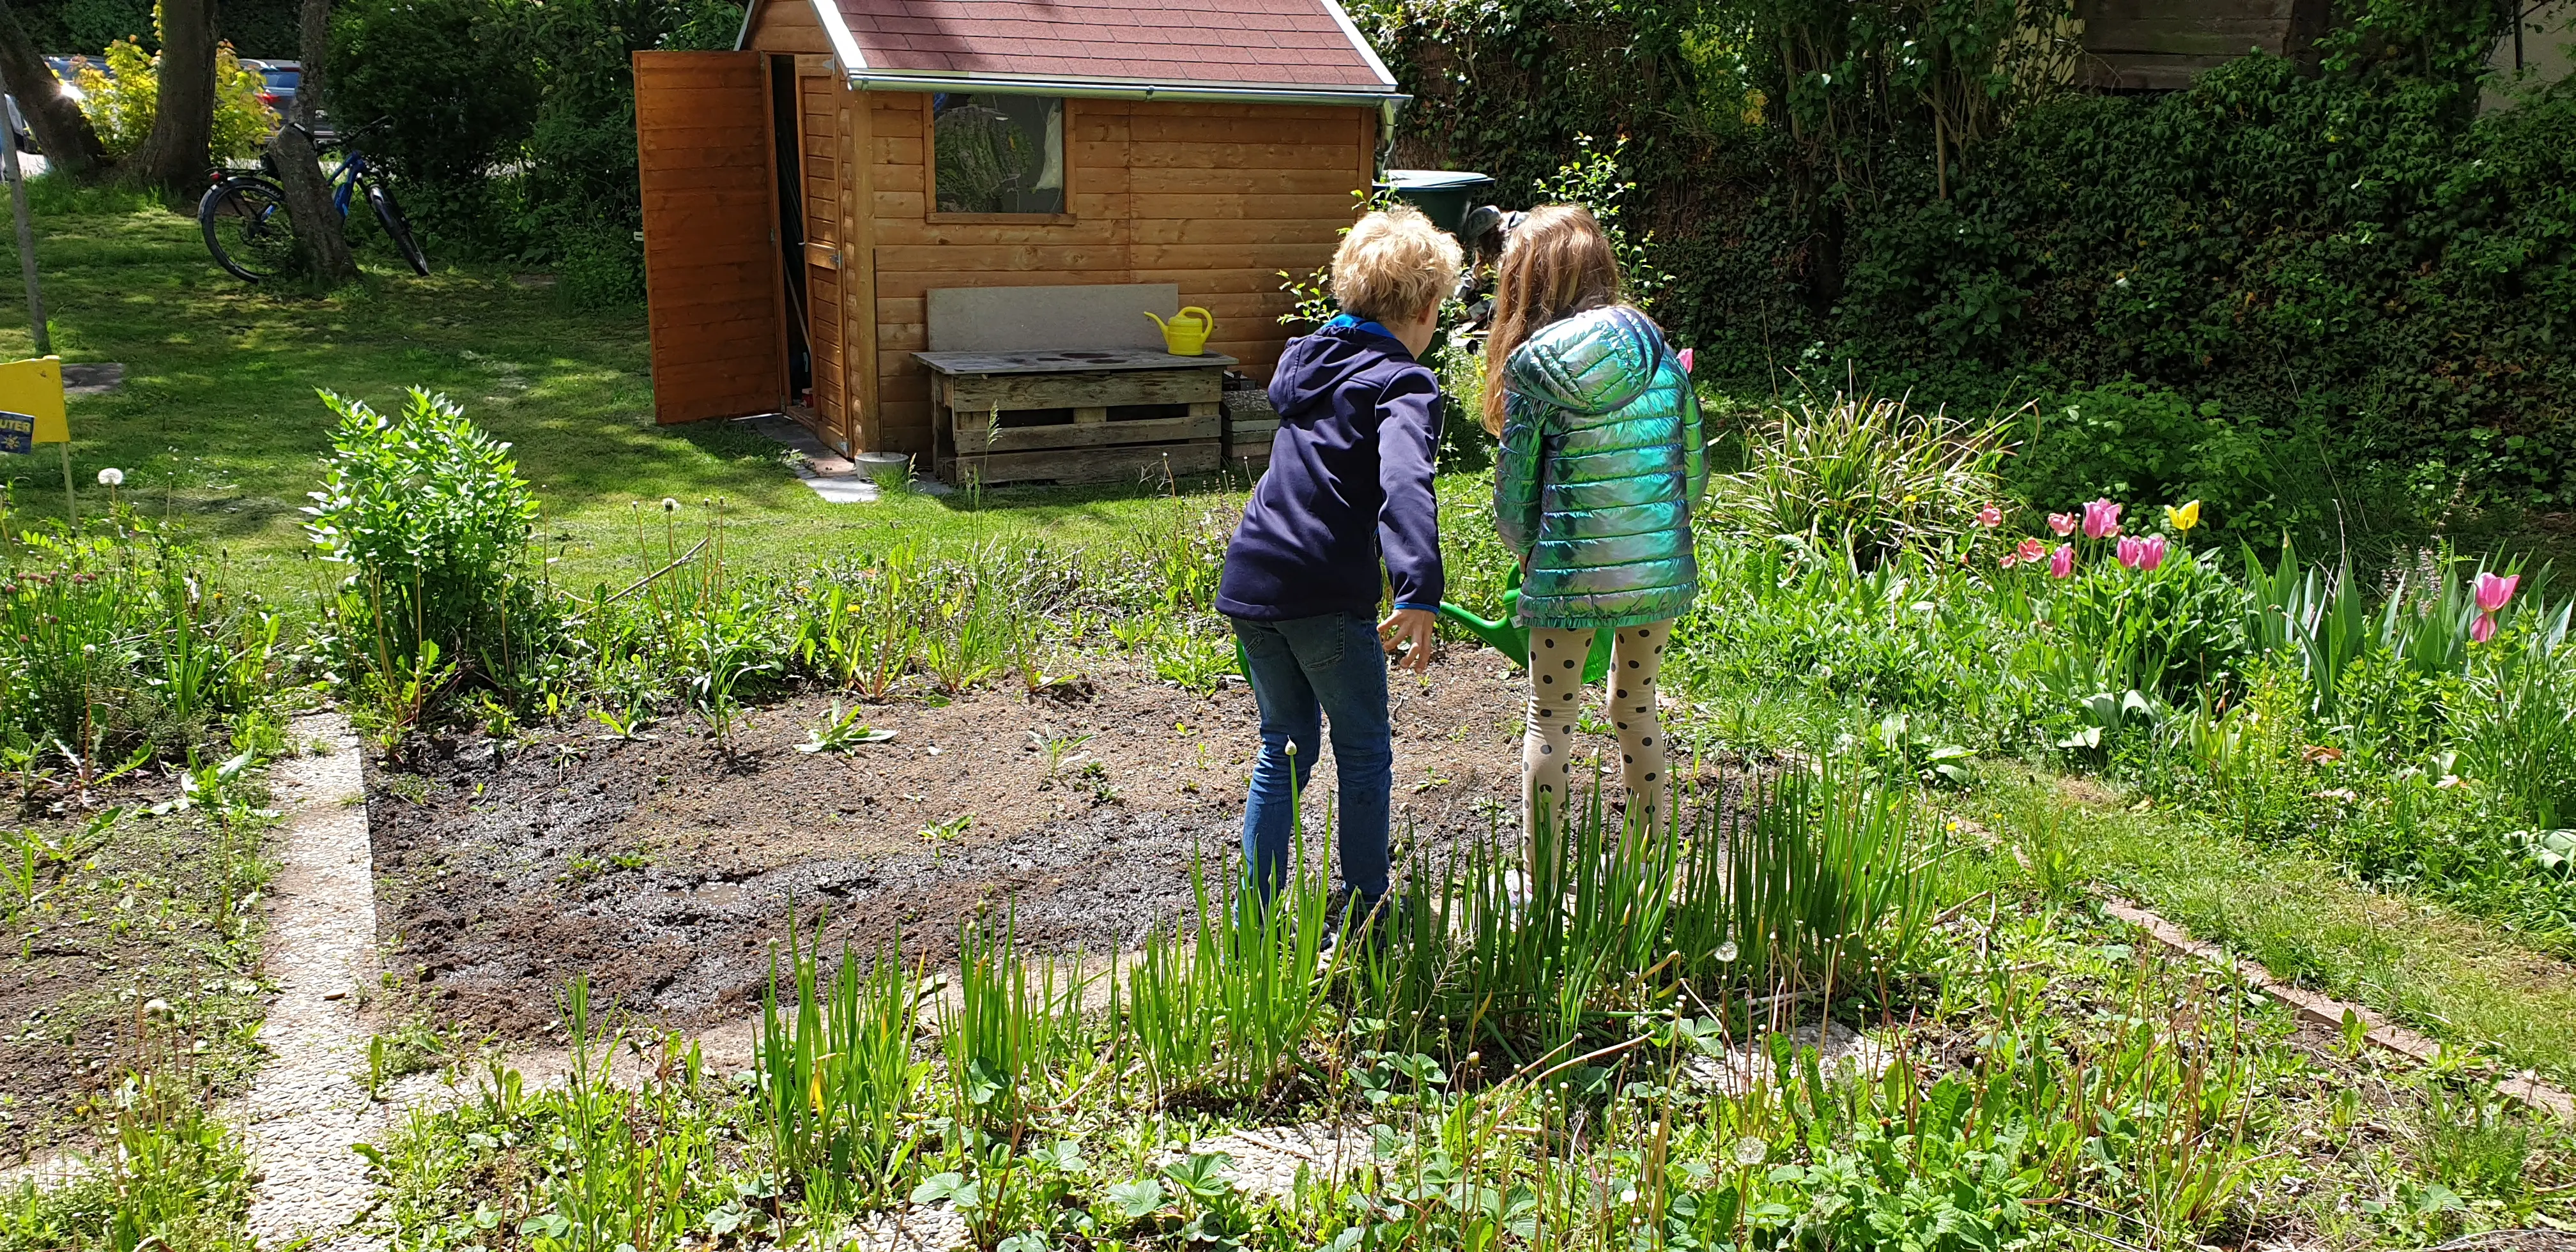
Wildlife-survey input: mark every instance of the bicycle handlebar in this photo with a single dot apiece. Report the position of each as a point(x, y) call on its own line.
point(341, 140)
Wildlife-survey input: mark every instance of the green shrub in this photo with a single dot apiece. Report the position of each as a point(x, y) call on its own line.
point(122, 102)
point(453, 77)
point(432, 522)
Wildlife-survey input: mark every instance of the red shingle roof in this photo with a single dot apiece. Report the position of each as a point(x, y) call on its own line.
point(1298, 43)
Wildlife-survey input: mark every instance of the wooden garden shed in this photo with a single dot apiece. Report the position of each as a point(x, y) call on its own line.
point(806, 194)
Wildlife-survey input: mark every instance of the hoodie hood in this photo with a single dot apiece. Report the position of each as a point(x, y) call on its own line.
point(1318, 365)
point(1591, 362)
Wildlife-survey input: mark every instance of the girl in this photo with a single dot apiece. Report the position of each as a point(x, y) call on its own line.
point(1601, 463)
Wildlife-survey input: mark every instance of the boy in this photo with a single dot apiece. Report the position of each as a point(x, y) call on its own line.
point(1349, 482)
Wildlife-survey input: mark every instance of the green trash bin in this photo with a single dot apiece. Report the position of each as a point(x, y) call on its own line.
point(1444, 196)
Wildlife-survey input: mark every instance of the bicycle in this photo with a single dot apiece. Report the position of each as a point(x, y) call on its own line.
point(248, 229)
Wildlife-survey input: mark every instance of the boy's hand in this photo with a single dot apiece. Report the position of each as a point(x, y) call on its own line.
point(1411, 626)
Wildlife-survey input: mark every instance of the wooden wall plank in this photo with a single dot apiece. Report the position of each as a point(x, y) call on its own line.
point(787, 26)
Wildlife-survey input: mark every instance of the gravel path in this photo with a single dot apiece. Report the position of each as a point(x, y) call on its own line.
point(307, 1105)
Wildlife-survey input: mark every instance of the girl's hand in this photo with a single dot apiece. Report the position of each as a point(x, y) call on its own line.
point(1408, 626)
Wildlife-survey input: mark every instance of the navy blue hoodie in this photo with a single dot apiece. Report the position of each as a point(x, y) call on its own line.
point(1349, 479)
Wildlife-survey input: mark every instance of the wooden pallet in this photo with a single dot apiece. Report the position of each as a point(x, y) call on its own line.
point(1076, 417)
point(1250, 426)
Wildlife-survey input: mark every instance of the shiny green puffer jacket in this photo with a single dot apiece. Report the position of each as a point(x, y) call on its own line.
point(1601, 465)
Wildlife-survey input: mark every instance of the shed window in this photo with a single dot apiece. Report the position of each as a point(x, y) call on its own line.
point(999, 154)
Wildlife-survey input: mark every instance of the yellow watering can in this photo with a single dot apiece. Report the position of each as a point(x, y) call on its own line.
point(1186, 334)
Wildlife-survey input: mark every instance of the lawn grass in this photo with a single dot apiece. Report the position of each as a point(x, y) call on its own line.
point(218, 427)
point(2456, 978)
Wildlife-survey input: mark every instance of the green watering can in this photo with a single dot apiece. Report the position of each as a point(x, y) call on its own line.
point(1510, 638)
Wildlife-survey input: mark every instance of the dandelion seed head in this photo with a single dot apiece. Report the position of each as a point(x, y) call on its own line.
point(1727, 952)
point(111, 477)
point(670, 505)
point(1751, 1151)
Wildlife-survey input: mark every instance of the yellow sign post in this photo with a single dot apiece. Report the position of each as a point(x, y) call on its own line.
point(31, 412)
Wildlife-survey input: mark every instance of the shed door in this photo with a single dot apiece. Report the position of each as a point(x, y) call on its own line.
point(703, 143)
point(818, 103)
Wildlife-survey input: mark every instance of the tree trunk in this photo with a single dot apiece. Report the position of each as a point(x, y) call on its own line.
point(70, 144)
point(174, 157)
point(321, 246)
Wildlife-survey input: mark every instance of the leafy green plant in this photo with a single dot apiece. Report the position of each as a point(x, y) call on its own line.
point(429, 517)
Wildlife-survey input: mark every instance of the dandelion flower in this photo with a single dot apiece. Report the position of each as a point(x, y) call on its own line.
point(111, 477)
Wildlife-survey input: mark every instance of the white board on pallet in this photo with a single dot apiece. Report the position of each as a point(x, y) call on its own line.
point(1077, 317)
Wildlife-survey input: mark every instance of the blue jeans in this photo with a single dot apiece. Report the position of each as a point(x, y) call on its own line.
point(1305, 671)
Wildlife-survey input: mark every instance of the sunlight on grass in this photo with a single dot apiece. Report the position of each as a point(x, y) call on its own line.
point(2458, 978)
point(218, 425)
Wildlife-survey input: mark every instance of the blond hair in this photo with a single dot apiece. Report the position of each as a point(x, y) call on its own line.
point(1557, 264)
point(1393, 265)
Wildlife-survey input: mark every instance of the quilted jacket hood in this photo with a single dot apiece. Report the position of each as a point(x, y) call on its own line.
point(1591, 362)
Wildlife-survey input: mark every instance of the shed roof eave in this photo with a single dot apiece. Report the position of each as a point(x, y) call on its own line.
point(865, 79)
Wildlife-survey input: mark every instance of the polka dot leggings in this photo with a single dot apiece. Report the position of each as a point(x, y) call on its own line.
point(1556, 696)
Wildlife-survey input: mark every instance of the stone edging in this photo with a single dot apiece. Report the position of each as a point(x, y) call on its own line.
point(307, 1105)
point(2323, 1010)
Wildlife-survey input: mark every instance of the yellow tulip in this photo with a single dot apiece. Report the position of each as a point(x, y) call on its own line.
point(2184, 518)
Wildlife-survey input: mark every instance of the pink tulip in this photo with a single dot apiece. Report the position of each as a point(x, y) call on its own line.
point(2151, 553)
point(1990, 517)
point(2482, 629)
point(2062, 523)
point(2061, 563)
point(2031, 550)
point(2101, 520)
point(2494, 591)
point(2128, 552)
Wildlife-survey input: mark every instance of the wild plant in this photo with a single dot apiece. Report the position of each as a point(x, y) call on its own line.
point(633, 1163)
point(1191, 659)
point(432, 522)
point(841, 733)
point(1011, 1028)
point(2514, 720)
point(837, 1075)
point(1860, 478)
point(1055, 750)
point(1228, 1006)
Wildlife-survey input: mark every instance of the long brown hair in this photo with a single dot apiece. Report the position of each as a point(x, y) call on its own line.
point(1557, 264)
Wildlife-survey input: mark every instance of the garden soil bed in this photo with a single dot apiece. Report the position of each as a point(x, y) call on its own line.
point(666, 870)
point(117, 920)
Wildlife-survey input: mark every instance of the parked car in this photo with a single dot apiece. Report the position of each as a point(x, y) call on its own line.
point(68, 68)
point(278, 81)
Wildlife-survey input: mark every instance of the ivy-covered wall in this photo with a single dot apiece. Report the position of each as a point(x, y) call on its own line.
point(2346, 299)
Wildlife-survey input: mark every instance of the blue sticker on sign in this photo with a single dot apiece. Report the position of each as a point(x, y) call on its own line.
point(17, 432)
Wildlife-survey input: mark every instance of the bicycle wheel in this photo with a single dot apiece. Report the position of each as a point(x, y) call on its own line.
point(247, 228)
point(397, 227)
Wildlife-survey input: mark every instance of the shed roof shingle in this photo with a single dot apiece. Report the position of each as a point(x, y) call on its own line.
point(1289, 43)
